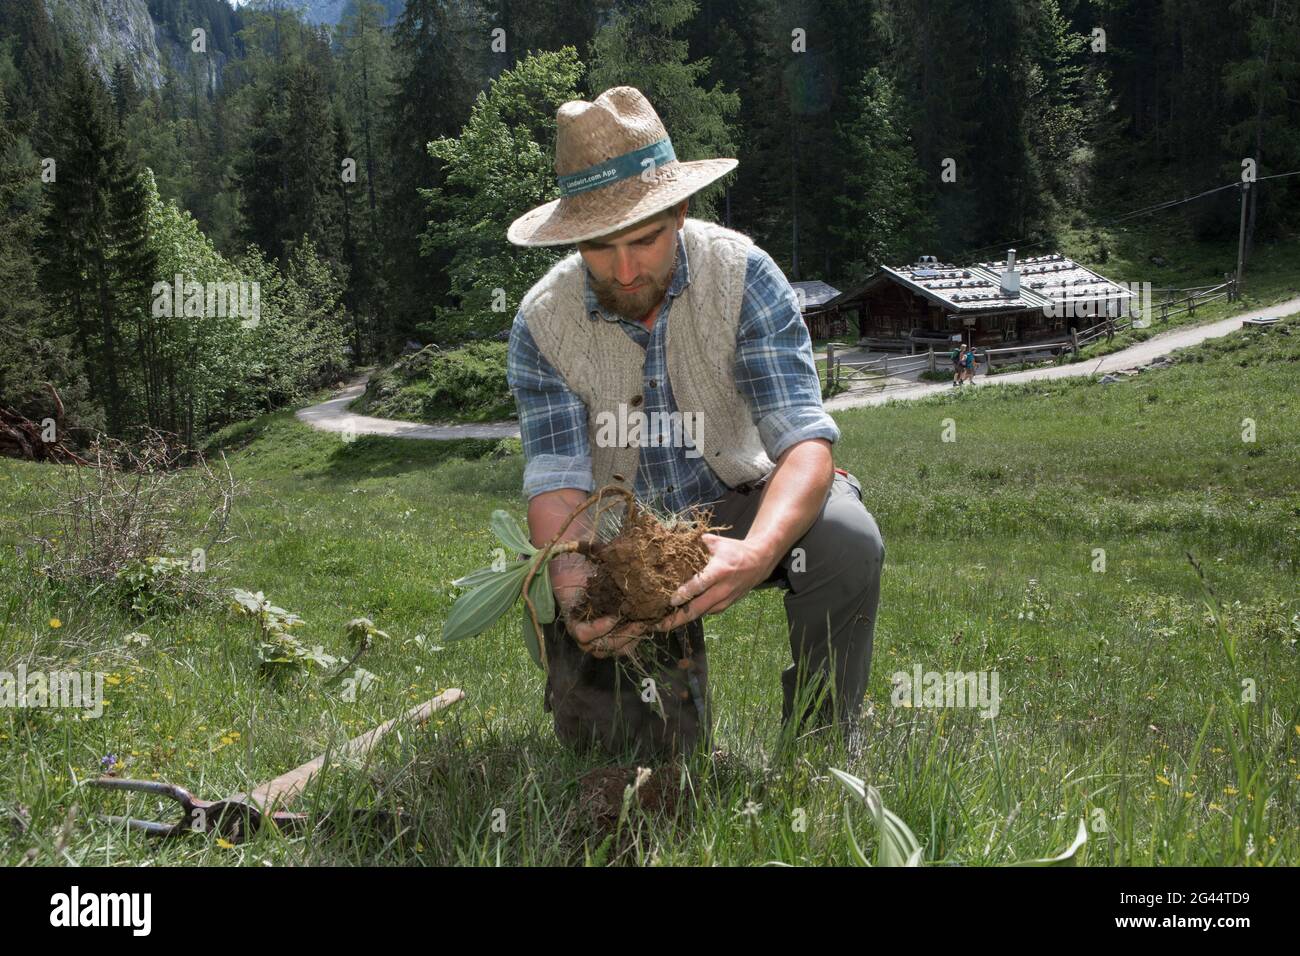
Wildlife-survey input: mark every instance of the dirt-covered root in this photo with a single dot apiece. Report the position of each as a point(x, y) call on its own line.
point(637, 571)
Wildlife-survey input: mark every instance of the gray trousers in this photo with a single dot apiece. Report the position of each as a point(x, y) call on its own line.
point(660, 704)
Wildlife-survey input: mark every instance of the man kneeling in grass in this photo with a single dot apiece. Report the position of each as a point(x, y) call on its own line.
point(593, 335)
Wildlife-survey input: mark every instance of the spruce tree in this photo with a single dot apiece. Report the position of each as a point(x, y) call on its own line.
point(644, 46)
point(98, 269)
point(77, 236)
point(434, 85)
point(33, 353)
point(879, 217)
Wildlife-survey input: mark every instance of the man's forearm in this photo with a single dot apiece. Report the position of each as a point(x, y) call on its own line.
point(547, 513)
point(792, 498)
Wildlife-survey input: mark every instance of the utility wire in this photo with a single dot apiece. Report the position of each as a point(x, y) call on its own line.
point(1018, 243)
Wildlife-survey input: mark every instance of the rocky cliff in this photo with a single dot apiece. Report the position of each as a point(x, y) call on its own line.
point(112, 31)
point(147, 35)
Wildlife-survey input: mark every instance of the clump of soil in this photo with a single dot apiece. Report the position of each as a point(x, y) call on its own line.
point(637, 571)
point(600, 793)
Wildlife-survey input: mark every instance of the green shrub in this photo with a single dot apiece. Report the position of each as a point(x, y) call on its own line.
point(507, 447)
point(468, 379)
point(466, 383)
point(155, 585)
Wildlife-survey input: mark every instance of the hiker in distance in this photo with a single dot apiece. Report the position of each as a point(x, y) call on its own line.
point(660, 313)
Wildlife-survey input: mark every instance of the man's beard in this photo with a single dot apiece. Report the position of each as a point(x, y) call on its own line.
point(632, 305)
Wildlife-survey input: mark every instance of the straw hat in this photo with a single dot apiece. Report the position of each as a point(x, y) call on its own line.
point(615, 166)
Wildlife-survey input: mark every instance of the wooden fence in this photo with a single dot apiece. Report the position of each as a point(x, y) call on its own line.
point(1178, 301)
point(1040, 351)
point(875, 372)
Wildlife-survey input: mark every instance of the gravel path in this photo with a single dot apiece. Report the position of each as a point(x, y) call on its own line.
point(333, 415)
point(1141, 353)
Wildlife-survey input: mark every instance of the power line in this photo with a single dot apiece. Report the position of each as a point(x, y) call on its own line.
point(1018, 243)
point(1166, 205)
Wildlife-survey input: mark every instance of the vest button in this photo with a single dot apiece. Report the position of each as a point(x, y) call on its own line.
point(653, 383)
point(636, 400)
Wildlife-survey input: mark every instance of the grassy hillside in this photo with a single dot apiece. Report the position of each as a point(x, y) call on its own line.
point(1121, 701)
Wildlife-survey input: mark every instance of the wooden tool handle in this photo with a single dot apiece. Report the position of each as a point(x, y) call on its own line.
point(274, 794)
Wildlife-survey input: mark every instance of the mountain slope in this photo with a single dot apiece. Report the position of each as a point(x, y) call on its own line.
point(112, 31)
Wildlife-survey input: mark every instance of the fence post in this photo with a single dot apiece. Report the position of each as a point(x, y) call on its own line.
point(886, 367)
point(931, 350)
point(1074, 340)
point(1191, 303)
point(830, 365)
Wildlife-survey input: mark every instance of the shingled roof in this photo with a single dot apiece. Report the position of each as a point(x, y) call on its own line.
point(977, 288)
point(814, 293)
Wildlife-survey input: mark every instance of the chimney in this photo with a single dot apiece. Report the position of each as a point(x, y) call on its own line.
point(1010, 277)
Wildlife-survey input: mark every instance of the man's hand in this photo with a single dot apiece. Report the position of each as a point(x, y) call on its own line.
point(548, 512)
point(790, 502)
point(735, 568)
point(599, 638)
point(596, 637)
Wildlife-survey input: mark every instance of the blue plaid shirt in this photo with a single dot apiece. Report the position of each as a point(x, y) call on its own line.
point(774, 371)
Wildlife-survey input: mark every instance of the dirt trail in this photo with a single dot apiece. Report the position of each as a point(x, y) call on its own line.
point(1139, 354)
point(333, 415)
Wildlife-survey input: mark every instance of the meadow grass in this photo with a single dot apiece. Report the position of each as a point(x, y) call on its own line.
point(1124, 701)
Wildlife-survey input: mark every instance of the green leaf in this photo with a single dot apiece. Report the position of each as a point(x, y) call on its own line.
point(475, 578)
point(476, 611)
point(851, 783)
point(1064, 858)
point(898, 845)
point(316, 654)
point(532, 640)
point(508, 533)
point(858, 856)
point(539, 591)
point(250, 602)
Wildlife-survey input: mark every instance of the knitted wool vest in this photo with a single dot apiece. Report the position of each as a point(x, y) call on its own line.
point(604, 367)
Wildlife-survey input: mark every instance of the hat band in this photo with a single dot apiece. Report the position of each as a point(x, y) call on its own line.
point(620, 167)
